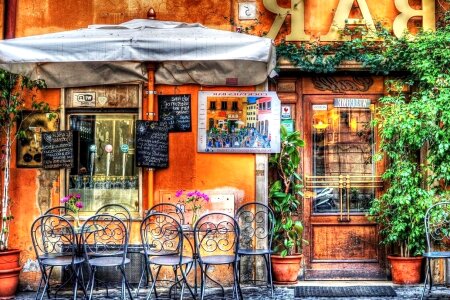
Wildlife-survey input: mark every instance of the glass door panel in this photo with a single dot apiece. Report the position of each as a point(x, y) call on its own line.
point(343, 171)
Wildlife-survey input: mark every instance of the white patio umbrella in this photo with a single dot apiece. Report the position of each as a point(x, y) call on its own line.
point(110, 54)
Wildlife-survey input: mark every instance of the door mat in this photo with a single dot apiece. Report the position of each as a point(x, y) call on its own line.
point(344, 291)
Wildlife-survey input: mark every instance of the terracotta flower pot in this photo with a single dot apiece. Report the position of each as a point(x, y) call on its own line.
point(285, 269)
point(406, 270)
point(9, 259)
point(9, 281)
point(9, 273)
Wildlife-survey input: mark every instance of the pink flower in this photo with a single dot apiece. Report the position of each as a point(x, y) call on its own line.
point(73, 201)
point(192, 197)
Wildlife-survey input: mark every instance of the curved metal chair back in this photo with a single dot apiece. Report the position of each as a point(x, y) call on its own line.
point(216, 234)
point(437, 225)
point(256, 223)
point(169, 209)
point(119, 211)
point(53, 236)
point(61, 210)
point(161, 234)
point(104, 235)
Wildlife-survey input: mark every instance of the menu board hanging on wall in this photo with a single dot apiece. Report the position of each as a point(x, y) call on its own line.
point(175, 110)
point(57, 149)
point(152, 144)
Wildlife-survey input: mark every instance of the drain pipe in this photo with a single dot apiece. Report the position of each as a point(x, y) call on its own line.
point(9, 19)
point(150, 115)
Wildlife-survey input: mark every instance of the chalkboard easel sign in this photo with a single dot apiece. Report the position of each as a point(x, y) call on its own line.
point(152, 144)
point(57, 149)
point(175, 110)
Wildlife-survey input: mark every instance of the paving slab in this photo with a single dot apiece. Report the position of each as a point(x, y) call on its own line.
point(251, 292)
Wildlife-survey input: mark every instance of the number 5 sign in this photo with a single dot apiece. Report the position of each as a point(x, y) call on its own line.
point(247, 10)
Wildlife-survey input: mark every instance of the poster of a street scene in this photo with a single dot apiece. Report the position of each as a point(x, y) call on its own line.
point(239, 122)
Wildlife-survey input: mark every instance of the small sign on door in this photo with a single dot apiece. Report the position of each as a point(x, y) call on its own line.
point(286, 112)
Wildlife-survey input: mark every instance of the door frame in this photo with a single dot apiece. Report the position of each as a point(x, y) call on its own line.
point(331, 219)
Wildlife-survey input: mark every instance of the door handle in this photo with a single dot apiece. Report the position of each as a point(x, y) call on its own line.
point(344, 184)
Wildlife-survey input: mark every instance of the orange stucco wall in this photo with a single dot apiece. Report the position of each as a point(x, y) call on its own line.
point(45, 16)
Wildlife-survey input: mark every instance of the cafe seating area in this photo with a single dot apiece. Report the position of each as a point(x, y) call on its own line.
point(178, 260)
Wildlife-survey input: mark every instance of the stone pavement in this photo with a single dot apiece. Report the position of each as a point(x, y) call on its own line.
point(283, 292)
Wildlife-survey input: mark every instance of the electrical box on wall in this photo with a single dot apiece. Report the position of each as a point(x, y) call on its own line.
point(222, 198)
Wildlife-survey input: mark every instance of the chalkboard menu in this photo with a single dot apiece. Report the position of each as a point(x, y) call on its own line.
point(175, 110)
point(57, 149)
point(152, 144)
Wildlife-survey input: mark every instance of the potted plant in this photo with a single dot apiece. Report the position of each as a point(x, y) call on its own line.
point(284, 193)
point(400, 211)
point(12, 100)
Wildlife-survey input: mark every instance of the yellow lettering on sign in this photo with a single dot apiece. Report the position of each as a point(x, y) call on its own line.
point(296, 11)
point(341, 18)
point(427, 12)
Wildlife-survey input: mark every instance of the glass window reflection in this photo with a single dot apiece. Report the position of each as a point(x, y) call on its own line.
point(104, 160)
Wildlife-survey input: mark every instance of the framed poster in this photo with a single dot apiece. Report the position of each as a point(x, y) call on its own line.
point(29, 145)
point(238, 122)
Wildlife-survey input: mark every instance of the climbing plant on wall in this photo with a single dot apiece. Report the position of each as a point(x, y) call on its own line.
point(413, 121)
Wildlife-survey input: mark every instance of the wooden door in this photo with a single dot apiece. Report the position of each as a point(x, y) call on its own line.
point(341, 181)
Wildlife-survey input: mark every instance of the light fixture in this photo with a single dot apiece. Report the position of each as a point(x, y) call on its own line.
point(151, 14)
point(353, 124)
point(320, 125)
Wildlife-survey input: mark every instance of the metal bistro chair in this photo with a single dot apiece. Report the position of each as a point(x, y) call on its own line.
point(256, 222)
point(162, 240)
point(55, 245)
point(216, 243)
point(167, 208)
point(117, 210)
point(437, 227)
point(108, 234)
point(67, 213)
point(121, 212)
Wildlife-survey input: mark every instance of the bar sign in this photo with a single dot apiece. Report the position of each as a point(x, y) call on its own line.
point(352, 102)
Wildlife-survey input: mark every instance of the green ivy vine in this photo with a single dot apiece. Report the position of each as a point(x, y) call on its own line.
point(413, 121)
